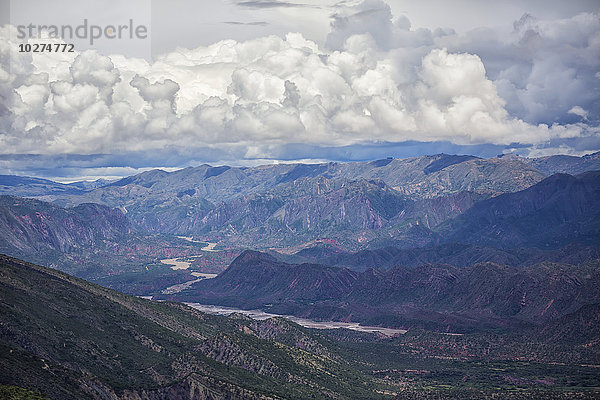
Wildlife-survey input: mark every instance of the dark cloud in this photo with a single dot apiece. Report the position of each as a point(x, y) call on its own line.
point(541, 68)
point(121, 164)
point(256, 23)
point(128, 163)
point(371, 16)
point(270, 4)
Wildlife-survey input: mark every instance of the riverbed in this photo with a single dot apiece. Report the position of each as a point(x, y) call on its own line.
point(176, 264)
point(307, 323)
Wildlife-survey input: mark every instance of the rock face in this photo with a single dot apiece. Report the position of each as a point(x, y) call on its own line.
point(91, 241)
point(32, 226)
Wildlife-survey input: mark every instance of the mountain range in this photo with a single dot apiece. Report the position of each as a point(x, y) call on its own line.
point(360, 204)
point(377, 214)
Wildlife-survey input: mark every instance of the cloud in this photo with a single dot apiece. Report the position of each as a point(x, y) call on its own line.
point(541, 68)
point(270, 4)
point(576, 110)
point(371, 16)
point(376, 80)
point(255, 23)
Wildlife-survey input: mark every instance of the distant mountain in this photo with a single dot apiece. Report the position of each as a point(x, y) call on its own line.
point(89, 185)
point(433, 296)
point(552, 213)
point(389, 202)
point(564, 164)
point(25, 186)
point(419, 177)
point(224, 203)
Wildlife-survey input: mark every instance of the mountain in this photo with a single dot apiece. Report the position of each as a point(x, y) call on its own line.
point(286, 205)
point(64, 338)
point(557, 219)
point(418, 177)
point(89, 185)
point(536, 293)
point(69, 339)
point(26, 186)
point(552, 213)
point(432, 296)
point(294, 201)
point(260, 279)
point(563, 164)
point(35, 228)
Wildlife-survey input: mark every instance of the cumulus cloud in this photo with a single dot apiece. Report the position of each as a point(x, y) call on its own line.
point(375, 80)
point(541, 68)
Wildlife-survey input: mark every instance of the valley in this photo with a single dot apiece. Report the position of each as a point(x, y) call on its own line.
point(429, 277)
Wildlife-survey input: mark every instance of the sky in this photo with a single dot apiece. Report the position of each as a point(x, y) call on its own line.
point(247, 82)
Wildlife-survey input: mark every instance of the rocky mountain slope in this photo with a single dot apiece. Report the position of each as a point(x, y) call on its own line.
point(90, 240)
point(260, 279)
point(69, 339)
point(31, 226)
point(64, 338)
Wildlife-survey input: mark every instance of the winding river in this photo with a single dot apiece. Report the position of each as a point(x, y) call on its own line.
point(307, 323)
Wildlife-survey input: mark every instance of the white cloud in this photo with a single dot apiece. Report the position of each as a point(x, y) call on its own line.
point(375, 80)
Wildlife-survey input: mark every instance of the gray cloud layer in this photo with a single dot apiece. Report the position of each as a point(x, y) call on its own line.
point(270, 4)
